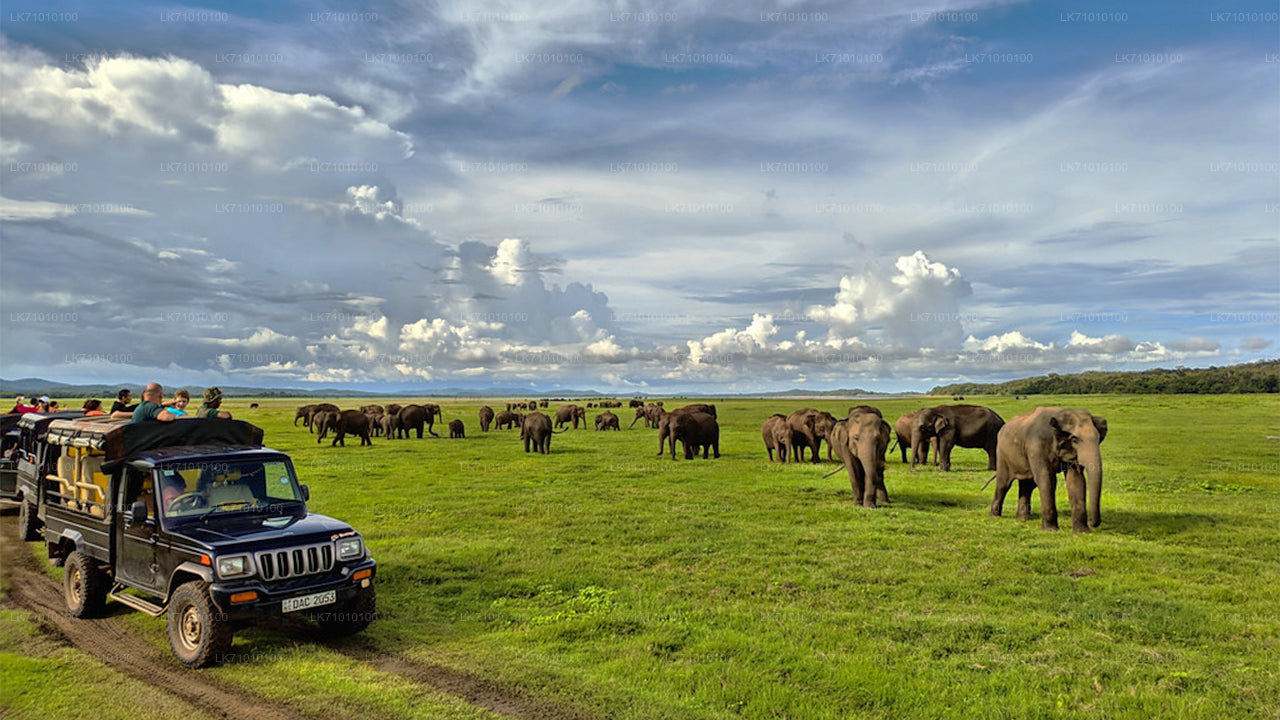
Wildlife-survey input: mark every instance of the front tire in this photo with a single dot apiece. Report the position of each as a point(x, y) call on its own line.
point(28, 522)
point(354, 618)
point(84, 586)
point(198, 634)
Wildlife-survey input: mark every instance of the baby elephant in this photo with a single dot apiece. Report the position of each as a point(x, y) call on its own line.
point(457, 429)
point(607, 421)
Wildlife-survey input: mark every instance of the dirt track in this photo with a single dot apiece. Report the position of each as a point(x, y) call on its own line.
point(105, 639)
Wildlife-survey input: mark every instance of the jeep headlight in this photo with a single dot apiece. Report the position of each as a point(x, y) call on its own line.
point(233, 566)
point(350, 548)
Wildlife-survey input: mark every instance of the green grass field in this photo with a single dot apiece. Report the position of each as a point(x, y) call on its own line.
point(631, 586)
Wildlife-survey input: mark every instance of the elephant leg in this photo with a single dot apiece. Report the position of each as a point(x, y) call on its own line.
point(1004, 481)
point(814, 449)
point(1074, 480)
point(855, 480)
point(715, 449)
point(1047, 484)
point(991, 455)
point(944, 455)
point(1025, 488)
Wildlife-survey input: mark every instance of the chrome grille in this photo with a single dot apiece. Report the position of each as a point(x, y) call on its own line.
point(294, 562)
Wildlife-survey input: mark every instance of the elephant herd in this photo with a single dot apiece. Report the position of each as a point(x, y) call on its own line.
point(391, 422)
point(1031, 448)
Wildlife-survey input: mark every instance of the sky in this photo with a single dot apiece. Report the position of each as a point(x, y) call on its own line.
point(674, 197)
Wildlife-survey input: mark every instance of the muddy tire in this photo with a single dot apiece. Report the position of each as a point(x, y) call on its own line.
point(84, 586)
point(198, 634)
point(353, 618)
point(28, 522)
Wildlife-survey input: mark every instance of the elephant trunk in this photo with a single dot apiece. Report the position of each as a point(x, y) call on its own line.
point(1091, 461)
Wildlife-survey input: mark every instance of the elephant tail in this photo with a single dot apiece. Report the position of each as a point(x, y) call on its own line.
point(984, 487)
point(557, 432)
point(833, 472)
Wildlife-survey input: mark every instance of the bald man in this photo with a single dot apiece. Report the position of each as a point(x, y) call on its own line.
point(150, 408)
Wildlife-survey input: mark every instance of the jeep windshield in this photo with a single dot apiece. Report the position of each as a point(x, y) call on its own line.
point(197, 491)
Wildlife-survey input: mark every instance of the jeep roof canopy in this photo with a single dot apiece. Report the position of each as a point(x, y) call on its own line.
point(123, 440)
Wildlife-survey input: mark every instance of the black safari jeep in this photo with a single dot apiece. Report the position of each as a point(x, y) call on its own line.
point(196, 519)
point(23, 466)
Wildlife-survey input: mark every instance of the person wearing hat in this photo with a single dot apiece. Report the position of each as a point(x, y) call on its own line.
point(212, 401)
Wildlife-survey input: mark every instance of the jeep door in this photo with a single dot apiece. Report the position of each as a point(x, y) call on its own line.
point(137, 547)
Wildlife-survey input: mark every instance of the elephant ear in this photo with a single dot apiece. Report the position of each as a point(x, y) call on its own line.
point(1101, 425)
point(940, 424)
point(1063, 436)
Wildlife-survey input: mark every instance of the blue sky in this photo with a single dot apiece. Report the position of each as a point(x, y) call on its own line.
point(635, 197)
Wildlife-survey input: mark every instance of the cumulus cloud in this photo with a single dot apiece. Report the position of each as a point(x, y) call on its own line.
point(917, 306)
point(1253, 342)
point(1195, 344)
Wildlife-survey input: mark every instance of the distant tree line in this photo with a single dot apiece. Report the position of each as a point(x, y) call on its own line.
point(1255, 377)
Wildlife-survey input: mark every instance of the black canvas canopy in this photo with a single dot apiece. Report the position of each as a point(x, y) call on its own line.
point(122, 440)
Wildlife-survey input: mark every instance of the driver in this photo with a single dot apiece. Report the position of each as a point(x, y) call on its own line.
point(174, 486)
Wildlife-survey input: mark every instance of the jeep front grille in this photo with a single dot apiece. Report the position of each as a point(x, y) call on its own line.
point(294, 562)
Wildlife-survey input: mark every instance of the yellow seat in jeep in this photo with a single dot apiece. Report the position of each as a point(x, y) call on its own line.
point(92, 485)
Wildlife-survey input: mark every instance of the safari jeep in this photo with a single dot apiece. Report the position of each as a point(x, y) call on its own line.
point(198, 520)
point(21, 471)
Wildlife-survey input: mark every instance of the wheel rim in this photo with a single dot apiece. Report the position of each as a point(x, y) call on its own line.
point(190, 628)
point(74, 586)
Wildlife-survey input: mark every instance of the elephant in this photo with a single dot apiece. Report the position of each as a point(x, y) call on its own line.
point(1034, 447)
point(607, 421)
point(486, 418)
point(822, 425)
point(566, 414)
point(415, 418)
point(304, 412)
point(506, 420)
point(456, 429)
point(388, 424)
point(804, 433)
point(970, 426)
point(635, 404)
point(773, 432)
point(861, 440)
point(536, 433)
point(343, 423)
point(902, 428)
point(652, 414)
point(373, 410)
point(543, 402)
point(318, 408)
point(700, 407)
point(693, 428)
point(323, 421)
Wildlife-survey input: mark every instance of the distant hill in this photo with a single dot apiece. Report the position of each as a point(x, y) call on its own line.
point(40, 386)
point(1255, 377)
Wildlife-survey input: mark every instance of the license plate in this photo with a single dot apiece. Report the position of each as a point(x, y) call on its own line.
point(308, 601)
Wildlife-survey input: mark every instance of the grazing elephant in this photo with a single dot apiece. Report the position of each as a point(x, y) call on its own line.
point(353, 422)
point(902, 428)
point(642, 412)
point(486, 418)
point(861, 441)
point(774, 432)
point(607, 421)
point(394, 409)
point(1034, 447)
point(566, 414)
point(536, 433)
point(970, 426)
point(305, 412)
point(694, 429)
point(804, 434)
point(456, 429)
point(506, 420)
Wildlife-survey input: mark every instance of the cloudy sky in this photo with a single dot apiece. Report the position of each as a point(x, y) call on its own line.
point(635, 197)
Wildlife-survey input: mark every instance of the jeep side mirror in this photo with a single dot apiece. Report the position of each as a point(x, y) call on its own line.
point(306, 493)
point(138, 513)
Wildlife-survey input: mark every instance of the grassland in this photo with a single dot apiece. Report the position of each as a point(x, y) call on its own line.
point(631, 586)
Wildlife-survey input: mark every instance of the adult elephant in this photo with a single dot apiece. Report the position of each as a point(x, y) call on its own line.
point(394, 409)
point(304, 412)
point(694, 429)
point(412, 418)
point(506, 420)
point(971, 426)
point(351, 422)
point(536, 433)
point(486, 418)
point(607, 421)
point(823, 422)
point(1034, 447)
point(700, 407)
point(566, 414)
point(803, 424)
point(902, 429)
point(861, 440)
point(323, 422)
point(319, 408)
point(773, 432)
